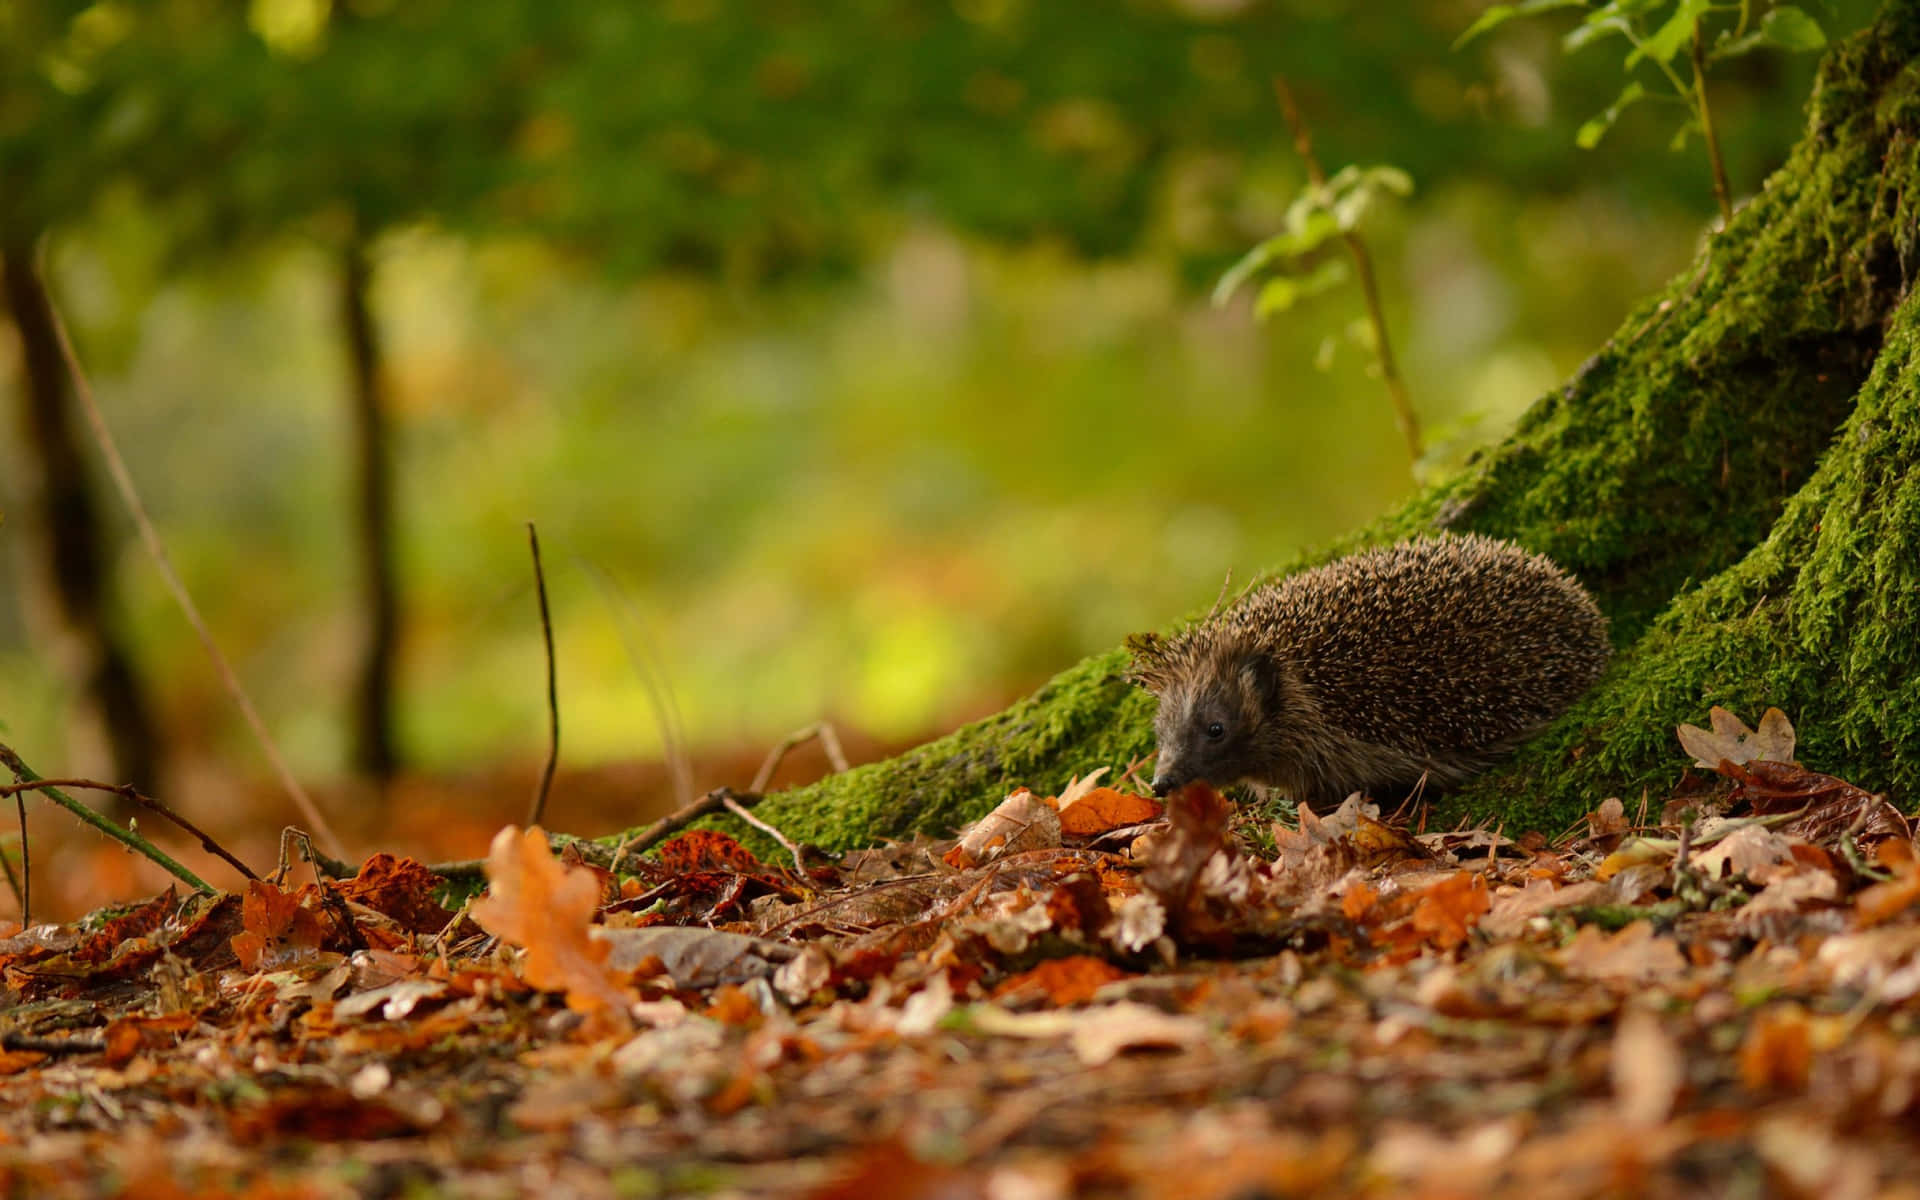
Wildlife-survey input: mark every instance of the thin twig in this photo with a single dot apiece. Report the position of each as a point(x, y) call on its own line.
point(128, 792)
point(123, 481)
point(740, 810)
point(24, 888)
point(1363, 268)
point(829, 741)
point(293, 836)
point(126, 837)
point(539, 809)
point(1721, 191)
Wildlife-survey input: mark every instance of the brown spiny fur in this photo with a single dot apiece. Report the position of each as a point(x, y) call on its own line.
point(1433, 657)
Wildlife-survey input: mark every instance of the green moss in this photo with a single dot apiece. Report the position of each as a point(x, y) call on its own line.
point(1728, 475)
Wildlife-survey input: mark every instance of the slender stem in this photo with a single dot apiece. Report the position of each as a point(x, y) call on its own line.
point(126, 837)
point(553, 700)
point(1720, 190)
point(24, 887)
point(128, 792)
point(123, 480)
point(1363, 267)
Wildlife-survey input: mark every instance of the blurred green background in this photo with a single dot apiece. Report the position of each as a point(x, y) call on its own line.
point(855, 359)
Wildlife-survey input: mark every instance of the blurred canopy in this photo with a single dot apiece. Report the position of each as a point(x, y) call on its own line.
point(752, 137)
point(767, 300)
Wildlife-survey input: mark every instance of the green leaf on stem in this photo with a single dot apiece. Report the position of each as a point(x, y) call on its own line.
point(1284, 291)
point(1588, 136)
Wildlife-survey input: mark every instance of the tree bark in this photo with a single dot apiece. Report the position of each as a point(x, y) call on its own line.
point(1733, 475)
point(69, 541)
point(373, 739)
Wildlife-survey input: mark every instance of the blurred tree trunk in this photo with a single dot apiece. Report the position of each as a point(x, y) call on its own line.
point(1736, 476)
point(68, 544)
point(373, 740)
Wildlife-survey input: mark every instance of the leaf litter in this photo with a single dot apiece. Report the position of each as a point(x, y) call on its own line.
point(1072, 998)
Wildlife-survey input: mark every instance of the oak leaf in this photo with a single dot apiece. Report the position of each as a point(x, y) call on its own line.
point(535, 902)
point(1731, 741)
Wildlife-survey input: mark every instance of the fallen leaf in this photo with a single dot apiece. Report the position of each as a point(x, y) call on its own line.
point(1746, 851)
point(1510, 912)
point(1777, 1052)
point(1610, 818)
point(1447, 911)
point(400, 888)
point(536, 903)
point(1647, 1069)
point(1102, 809)
point(1731, 740)
point(1096, 1034)
point(1021, 822)
point(1634, 954)
point(1061, 982)
point(694, 958)
point(277, 929)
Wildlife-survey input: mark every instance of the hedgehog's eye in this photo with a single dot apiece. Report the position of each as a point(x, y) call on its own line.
point(1216, 731)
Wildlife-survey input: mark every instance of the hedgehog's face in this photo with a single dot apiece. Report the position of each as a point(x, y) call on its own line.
point(1211, 727)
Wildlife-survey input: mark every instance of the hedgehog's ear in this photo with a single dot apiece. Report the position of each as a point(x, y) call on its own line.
point(1149, 668)
point(1261, 679)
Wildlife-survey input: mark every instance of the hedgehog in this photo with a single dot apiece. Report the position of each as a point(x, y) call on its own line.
point(1416, 664)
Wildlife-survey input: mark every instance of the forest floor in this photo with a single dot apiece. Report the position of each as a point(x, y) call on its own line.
point(1713, 993)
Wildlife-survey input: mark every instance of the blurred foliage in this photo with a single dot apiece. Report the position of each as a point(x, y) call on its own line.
point(855, 359)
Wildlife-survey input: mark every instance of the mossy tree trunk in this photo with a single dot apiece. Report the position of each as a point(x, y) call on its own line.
point(1733, 475)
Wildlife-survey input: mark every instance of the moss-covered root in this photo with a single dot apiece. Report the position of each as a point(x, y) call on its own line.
point(1821, 619)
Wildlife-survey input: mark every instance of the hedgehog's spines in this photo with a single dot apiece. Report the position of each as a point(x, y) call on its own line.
point(1431, 657)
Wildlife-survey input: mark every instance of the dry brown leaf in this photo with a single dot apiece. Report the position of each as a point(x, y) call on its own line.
point(1021, 822)
point(1512, 910)
point(1778, 1050)
point(1647, 1069)
point(1745, 851)
point(1634, 954)
point(540, 905)
point(1447, 911)
point(1609, 818)
point(276, 929)
point(1731, 741)
point(1101, 809)
point(1061, 982)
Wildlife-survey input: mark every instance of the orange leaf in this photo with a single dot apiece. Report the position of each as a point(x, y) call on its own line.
point(535, 902)
point(1889, 899)
point(1063, 981)
point(277, 929)
point(1448, 909)
point(1358, 901)
point(1778, 1051)
point(1105, 808)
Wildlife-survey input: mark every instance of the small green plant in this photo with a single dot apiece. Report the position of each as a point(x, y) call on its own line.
point(1659, 33)
point(1293, 268)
